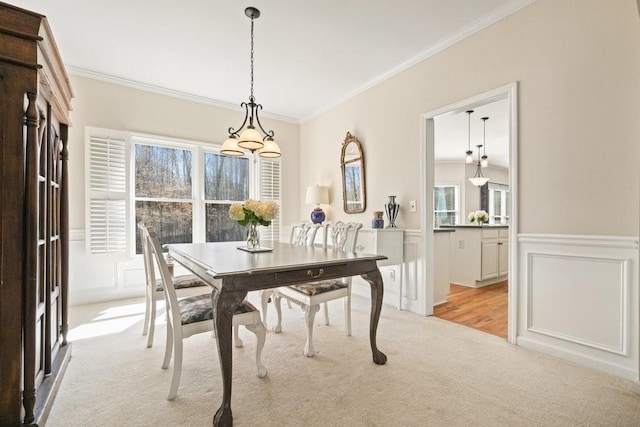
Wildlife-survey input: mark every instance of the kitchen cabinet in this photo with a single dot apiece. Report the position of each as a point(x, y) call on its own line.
point(494, 253)
point(479, 255)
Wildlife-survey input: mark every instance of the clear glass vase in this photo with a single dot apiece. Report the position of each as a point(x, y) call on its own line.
point(253, 236)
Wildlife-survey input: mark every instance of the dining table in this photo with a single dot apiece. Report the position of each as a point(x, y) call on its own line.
point(232, 270)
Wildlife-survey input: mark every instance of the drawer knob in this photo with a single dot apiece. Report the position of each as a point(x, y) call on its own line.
point(360, 248)
point(310, 273)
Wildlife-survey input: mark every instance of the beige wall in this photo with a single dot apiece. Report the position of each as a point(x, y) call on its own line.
point(578, 73)
point(105, 105)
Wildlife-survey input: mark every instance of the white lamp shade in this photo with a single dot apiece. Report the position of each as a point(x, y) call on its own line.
point(479, 181)
point(485, 162)
point(270, 149)
point(250, 139)
point(230, 147)
point(317, 195)
point(469, 157)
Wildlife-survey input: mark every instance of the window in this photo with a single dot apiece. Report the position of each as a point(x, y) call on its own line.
point(226, 180)
point(446, 204)
point(499, 201)
point(163, 191)
point(182, 190)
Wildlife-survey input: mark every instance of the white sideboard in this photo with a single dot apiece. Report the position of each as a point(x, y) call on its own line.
point(388, 242)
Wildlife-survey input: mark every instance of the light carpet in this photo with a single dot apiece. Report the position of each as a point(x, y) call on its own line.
point(438, 374)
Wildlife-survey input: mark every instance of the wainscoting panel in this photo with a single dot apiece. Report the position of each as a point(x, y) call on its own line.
point(95, 278)
point(410, 276)
point(578, 299)
point(566, 291)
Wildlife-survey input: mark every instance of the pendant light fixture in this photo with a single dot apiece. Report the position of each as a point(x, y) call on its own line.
point(248, 138)
point(469, 156)
point(485, 159)
point(479, 179)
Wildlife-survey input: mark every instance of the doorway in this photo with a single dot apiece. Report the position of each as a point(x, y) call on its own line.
point(479, 280)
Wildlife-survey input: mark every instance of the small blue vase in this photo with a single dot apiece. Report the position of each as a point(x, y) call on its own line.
point(377, 221)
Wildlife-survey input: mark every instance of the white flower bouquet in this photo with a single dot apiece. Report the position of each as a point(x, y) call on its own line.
point(254, 212)
point(478, 217)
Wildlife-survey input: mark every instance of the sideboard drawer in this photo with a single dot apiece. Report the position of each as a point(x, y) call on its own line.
point(388, 242)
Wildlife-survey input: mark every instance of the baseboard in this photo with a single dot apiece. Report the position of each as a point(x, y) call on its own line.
point(581, 359)
point(48, 389)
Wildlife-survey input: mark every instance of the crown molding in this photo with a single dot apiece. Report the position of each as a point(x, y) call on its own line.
point(108, 78)
point(476, 26)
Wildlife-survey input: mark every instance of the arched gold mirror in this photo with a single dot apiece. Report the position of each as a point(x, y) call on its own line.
point(353, 178)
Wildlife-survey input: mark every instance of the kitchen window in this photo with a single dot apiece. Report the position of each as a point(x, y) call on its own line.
point(499, 201)
point(446, 204)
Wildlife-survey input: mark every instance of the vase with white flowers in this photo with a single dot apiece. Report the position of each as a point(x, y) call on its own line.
point(478, 217)
point(253, 213)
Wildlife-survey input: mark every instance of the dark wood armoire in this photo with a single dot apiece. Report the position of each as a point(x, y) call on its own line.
point(35, 98)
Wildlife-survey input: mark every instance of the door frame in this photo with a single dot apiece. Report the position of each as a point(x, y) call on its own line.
point(427, 161)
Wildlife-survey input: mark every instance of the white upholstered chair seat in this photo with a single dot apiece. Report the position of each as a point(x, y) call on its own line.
point(309, 295)
point(184, 281)
point(302, 234)
point(194, 315)
point(154, 288)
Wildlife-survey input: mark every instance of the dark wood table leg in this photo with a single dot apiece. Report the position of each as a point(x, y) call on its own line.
point(377, 291)
point(224, 305)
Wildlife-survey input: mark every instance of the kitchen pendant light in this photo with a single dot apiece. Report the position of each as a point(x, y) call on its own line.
point(248, 138)
point(485, 160)
point(479, 179)
point(469, 154)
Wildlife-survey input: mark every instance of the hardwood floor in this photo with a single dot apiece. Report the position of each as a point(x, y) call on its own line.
point(479, 308)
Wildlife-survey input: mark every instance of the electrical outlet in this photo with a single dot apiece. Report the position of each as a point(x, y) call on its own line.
point(392, 275)
point(460, 244)
point(412, 206)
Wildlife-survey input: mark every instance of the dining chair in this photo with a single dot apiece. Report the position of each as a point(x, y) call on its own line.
point(302, 234)
point(154, 288)
point(193, 315)
point(337, 236)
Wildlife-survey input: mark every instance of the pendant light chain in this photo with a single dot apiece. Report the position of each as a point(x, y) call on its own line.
point(248, 137)
point(469, 129)
point(251, 98)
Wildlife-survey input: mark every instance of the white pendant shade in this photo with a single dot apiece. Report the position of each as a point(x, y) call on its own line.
point(270, 149)
point(485, 162)
point(479, 181)
point(250, 139)
point(230, 147)
point(469, 157)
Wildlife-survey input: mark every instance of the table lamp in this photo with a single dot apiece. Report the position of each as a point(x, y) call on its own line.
point(317, 195)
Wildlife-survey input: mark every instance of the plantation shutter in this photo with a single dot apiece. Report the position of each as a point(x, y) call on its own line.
point(107, 195)
point(269, 174)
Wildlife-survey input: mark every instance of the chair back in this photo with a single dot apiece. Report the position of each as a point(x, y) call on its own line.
point(149, 270)
point(171, 298)
point(304, 234)
point(342, 236)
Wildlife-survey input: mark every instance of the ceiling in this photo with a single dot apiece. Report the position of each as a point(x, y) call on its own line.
point(454, 130)
point(309, 56)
